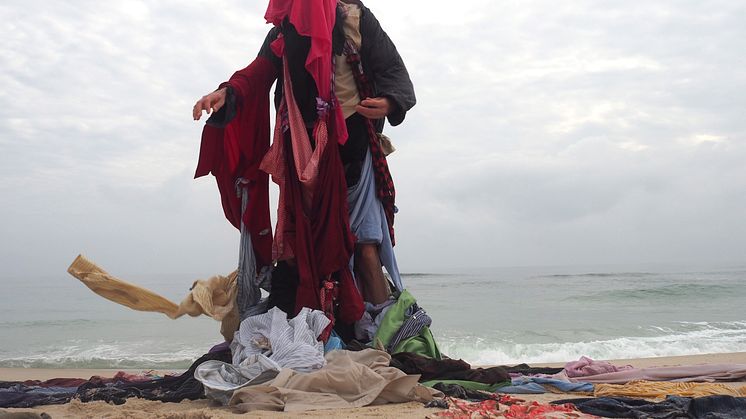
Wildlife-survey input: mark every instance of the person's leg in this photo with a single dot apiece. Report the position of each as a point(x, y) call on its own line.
point(375, 287)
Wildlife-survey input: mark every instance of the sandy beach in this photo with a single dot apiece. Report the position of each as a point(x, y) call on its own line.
point(203, 409)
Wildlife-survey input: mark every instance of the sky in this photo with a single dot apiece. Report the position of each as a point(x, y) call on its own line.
point(546, 133)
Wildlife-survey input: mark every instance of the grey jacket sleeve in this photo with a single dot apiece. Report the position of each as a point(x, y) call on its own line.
point(384, 65)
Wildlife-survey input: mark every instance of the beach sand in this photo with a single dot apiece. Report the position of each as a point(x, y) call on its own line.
point(204, 409)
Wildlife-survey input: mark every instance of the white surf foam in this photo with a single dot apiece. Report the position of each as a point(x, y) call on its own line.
point(696, 338)
point(105, 355)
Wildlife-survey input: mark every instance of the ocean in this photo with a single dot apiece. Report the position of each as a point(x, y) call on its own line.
point(487, 316)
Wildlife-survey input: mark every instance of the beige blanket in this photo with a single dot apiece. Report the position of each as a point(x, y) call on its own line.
point(215, 297)
point(349, 380)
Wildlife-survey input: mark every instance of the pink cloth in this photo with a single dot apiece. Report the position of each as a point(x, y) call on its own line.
point(684, 373)
point(586, 366)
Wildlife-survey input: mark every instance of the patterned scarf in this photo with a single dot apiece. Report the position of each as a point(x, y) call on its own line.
point(384, 182)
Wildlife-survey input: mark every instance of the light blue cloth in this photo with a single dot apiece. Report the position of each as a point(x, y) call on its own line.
point(368, 220)
point(334, 343)
point(534, 385)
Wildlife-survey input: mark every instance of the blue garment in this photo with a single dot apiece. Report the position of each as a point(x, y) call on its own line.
point(535, 385)
point(368, 220)
point(334, 343)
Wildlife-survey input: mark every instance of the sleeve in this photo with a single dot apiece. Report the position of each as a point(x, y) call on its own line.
point(386, 68)
point(238, 87)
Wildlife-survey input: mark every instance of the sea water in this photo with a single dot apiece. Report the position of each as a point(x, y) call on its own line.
point(484, 316)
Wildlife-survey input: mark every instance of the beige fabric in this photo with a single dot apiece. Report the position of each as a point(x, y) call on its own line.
point(344, 81)
point(661, 389)
point(349, 380)
point(215, 297)
point(387, 147)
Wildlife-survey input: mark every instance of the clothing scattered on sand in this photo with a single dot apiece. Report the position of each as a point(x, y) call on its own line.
point(264, 345)
point(586, 366)
point(460, 392)
point(540, 385)
point(660, 389)
point(290, 343)
point(703, 372)
point(506, 407)
point(116, 391)
point(221, 379)
point(349, 380)
point(446, 369)
point(470, 385)
point(525, 369)
point(710, 407)
point(214, 297)
point(417, 340)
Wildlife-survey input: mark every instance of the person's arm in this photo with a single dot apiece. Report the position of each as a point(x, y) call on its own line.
point(222, 104)
point(386, 68)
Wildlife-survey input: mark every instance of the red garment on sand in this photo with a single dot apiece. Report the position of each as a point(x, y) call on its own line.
point(237, 150)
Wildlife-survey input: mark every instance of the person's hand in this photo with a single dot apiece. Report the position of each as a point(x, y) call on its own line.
point(374, 108)
point(209, 103)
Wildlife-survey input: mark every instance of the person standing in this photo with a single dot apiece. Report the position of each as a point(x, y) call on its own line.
point(339, 76)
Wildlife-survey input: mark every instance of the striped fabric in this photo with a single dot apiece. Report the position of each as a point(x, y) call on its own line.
point(411, 327)
point(290, 343)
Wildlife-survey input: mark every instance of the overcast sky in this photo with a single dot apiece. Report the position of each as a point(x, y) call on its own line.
point(546, 132)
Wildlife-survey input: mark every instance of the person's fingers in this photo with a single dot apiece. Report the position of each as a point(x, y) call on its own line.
point(200, 106)
point(369, 112)
point(197, 110)
point(374, 102)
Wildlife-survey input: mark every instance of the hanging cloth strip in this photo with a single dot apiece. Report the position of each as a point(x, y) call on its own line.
point(313, 222)
point(249, 282)
point(384, 182)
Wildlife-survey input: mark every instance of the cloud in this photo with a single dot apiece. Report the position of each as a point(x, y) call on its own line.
point(545, 133)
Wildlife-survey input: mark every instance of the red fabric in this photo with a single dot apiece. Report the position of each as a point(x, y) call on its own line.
point(237, 150)
point(313, 222)
point(323, 243)
point(315, 19)
point(543, 411)
point(515, 408)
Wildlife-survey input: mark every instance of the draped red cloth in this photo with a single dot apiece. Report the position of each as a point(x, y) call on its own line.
point(237, 150)
point(313, 226)
point(313, 222)
point(315, 19)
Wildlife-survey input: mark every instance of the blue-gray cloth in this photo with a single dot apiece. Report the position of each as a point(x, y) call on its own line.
point(535, 385)
point(368, 220)
point(249, 299)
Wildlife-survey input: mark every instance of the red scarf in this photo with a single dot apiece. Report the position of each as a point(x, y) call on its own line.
point(315, 19)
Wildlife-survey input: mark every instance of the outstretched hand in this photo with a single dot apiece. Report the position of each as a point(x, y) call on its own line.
point(209, 103)
point(374, 108)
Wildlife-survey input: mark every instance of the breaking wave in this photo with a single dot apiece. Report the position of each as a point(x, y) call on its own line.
point(105, 356)
point(686, 338)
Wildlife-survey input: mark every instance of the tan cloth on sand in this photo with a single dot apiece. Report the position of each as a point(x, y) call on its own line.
point(215, 297)
point(349, 380)
point(661, 389)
